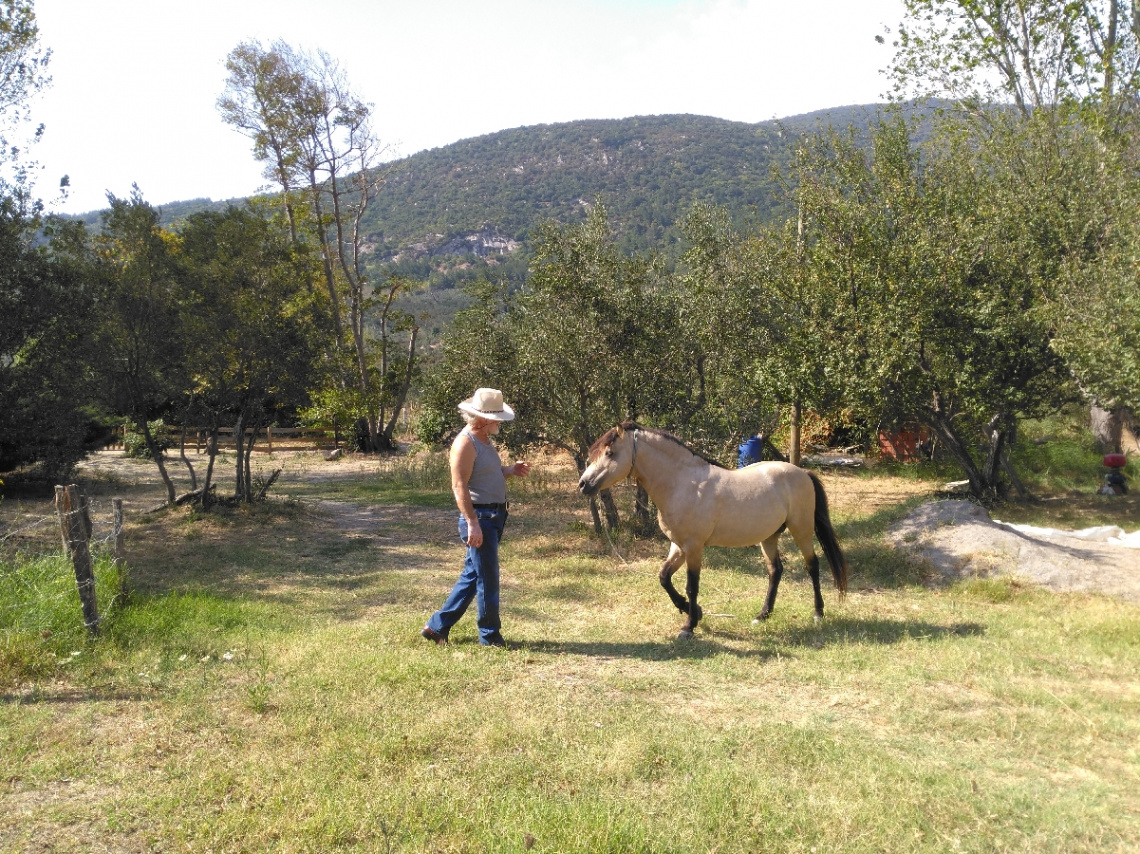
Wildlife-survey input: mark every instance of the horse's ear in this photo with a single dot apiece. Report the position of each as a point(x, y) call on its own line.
point(620, 431)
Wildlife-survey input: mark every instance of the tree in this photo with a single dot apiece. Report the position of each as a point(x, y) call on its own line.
point(44, 300)
point(766, 334)
point(1072, 72)
point(43, 295)
point(23, 74)
point(252, 336)
point(932, 312)
point(315, 135)
point(1042, 54)
point(580, 348)
point(139, 326)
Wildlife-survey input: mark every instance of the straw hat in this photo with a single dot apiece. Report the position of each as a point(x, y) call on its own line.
point(488, 403)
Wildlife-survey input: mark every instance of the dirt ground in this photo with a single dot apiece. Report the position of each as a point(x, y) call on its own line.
point(958, 539)
point(961, 540)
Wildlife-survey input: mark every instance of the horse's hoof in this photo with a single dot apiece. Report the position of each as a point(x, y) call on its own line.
point(755, 621)
point(685, 635)
point(817, 619)
point(761, 617)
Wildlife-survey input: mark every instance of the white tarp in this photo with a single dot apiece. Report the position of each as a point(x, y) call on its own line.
point(1110, 534)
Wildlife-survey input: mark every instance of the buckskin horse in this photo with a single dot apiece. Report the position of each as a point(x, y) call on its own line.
point(699, 504)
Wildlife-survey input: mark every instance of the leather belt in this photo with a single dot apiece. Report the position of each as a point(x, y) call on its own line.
point(502, 506)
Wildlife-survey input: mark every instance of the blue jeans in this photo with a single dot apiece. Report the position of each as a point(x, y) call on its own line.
point(479, 580)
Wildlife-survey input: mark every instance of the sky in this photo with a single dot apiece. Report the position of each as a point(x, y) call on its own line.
point(135, 82)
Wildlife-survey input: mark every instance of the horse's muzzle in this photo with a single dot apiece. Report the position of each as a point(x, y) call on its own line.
point(586, 487)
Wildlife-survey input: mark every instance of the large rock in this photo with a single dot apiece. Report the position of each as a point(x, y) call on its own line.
point(960, 540)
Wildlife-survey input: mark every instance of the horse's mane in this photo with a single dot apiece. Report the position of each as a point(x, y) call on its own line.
point(611, 436)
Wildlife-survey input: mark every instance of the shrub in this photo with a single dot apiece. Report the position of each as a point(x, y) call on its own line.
point(134, 444)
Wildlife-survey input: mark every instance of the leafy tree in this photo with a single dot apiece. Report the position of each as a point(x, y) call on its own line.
point(44, 301)
point(43, 295)
point(933, 312)
point(764, 333)
point(23, 74)
point(251, 329)
point(1066, 144)
point(1042, 54)
point(138, 317)
point(315, 136)
point(579, 349)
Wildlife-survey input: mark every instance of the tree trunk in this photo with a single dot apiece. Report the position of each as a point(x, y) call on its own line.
point(643, 525)
point(156, 455)
point(212, 450)
point(612, 518)
point(938, 422)
point(247, 452)
point(794, 441)
point(402, 394)
point(239, 444)
point(1107, 428)
point(996, 436)
point(598, 529)
point(186, 459)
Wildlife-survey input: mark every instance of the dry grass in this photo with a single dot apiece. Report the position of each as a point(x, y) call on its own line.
point(267, 690)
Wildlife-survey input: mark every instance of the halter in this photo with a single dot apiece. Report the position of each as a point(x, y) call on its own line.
point(633, 462)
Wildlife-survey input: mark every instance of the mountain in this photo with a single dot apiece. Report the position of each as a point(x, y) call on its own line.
point(648, 170)
point(466, 210)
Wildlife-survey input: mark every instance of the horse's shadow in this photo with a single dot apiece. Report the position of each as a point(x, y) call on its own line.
point(783, 642)
point(699, 648)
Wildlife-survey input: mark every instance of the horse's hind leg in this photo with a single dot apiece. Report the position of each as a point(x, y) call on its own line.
point(803, 540)
point(771, 548)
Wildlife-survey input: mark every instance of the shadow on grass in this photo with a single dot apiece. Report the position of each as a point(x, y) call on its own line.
point(845, 630)
point(40, 696)
point(705, 645)
point(697, 649)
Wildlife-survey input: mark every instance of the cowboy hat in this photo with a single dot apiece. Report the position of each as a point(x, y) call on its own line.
point(488, 403)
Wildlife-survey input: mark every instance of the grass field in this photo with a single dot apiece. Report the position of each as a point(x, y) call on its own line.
point(264, 688)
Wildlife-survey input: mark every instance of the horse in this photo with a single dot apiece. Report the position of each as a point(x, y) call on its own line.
point(700, 503)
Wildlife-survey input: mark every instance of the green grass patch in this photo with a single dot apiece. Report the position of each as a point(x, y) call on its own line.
point(41, 619)
point(267, 690)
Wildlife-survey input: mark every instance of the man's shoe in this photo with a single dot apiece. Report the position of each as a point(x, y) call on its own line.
point(493, 640)
point(433, 636)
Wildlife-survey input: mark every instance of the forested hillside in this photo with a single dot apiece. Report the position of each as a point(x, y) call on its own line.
point(648, 170)
point(466, 211)
point(483, 196)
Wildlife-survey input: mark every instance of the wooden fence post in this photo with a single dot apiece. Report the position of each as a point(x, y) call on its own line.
point(75, 528)
point(117, 504)
point(118, 553)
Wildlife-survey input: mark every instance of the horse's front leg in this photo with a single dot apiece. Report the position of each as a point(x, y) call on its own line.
point(771, 548)
point(673, 562)
point(692, 587)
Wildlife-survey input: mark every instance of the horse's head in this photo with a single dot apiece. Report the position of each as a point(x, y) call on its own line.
point(611, 458)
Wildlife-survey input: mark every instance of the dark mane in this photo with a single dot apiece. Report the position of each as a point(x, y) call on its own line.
point(611, 436)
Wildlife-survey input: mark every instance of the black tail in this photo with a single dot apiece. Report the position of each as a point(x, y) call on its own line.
point(826, 536)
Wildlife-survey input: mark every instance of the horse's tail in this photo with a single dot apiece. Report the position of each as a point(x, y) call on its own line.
point(826, 535)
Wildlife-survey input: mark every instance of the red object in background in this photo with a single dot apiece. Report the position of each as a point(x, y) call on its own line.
point(904, 445)
point(1115, 461)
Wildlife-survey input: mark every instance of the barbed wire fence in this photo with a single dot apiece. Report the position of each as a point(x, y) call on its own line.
point(45, 589)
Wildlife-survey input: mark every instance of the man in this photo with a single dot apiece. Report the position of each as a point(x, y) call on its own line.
point(479, 482)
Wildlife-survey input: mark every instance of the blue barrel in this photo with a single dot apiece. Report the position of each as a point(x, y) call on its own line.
point(751, 451)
